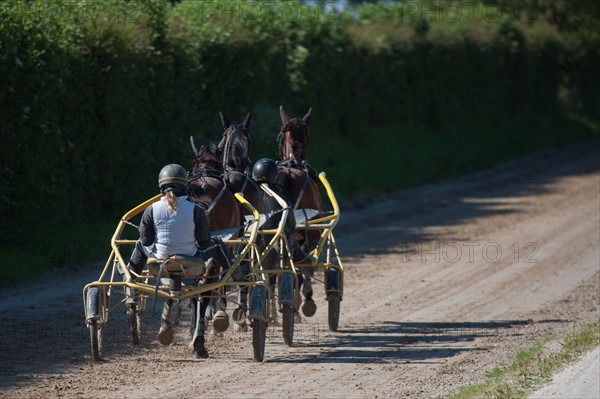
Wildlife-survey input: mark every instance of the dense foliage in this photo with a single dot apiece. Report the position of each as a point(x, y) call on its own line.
point(97, 96)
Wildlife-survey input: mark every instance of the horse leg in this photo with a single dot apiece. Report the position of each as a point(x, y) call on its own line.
point(297, 317)
point(221, 319)
point(273, 308)
point(165, 334)
point(193, 305)
point(199, 326)
point(239, 314)
point(309, 308)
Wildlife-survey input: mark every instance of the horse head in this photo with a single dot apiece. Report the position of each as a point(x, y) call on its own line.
point(236, 143)
point(207, 158)
point(293, 136)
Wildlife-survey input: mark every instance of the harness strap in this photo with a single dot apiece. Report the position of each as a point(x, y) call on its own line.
point(211, 207)
point(301, 191)
point(245, 183)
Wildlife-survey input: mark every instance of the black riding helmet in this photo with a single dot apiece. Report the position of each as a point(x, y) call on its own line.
point(172, 175)
point(265, 169)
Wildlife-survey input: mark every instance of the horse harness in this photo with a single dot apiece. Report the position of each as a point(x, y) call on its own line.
point(303, 167)
point(215, 174)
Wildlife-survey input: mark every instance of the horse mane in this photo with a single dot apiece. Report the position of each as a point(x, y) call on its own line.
point(208, 161)
point(236, 146)
point(299, 130)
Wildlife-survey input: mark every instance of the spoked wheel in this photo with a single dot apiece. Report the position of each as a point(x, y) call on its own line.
point(135, 323)
point(259, 336)
point(334, 314)
point(95, 339)
point(288, 324)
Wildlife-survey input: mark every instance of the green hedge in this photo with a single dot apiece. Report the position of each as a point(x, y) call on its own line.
point(96, 97)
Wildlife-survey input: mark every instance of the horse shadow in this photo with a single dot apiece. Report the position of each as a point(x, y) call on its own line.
point(396, 342)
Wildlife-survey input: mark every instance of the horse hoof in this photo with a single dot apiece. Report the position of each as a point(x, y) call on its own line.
point(239, 316)
point(199, 349)
point(309, 308)
point(165, 334)
point(220, 321)
point(242, 327)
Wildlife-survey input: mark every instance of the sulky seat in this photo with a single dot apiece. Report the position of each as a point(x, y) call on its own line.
point(185, 266)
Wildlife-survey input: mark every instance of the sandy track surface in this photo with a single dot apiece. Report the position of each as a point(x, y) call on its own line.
point(442, 283)
point(580, 380)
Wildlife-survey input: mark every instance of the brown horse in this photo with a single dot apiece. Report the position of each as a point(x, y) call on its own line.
point(297, 178)
point(299, 181)
point(208, 189)
point(235, 146)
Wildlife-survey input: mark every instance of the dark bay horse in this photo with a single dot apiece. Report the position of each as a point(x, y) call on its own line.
point(207, 188)
point(299, 182)
point(235, 146)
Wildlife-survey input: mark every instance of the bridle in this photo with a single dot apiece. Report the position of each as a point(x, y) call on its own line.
point(287, 139)
point(230, 138)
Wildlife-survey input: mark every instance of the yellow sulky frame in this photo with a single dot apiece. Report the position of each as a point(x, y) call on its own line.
point(326, 254)
point(110, 279)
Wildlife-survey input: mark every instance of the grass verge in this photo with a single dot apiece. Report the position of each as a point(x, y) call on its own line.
point(532, 367)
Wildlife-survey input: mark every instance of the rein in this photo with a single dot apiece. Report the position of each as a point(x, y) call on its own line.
point(302, 190)
point(229, 170)
point(215, 174)
point(217, 198)
point(303, 167)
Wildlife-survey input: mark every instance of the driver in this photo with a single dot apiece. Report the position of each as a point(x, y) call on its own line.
point(173, 226)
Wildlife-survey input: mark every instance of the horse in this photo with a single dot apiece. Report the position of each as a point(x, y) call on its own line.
point(235, 146)
point(299, 182)
point(208, 188)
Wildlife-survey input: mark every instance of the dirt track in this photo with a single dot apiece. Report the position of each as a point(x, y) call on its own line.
point(430, 303)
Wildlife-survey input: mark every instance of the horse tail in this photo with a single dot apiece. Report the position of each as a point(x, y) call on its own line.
point(171, 201)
